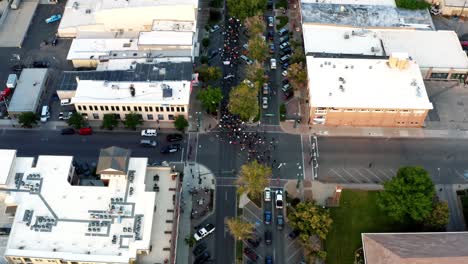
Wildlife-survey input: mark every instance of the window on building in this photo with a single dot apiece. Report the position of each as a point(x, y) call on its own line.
point(458, 76)
point(95, 108)
point(146, 109)
point(171, 117)
point(168, 109)
point(117, 108)
point(139, 109)
point(135, 108)
point(391, 111)
point(101, 107)
point(106, 107)
point(182, 109)
point(439, 75)
point(172, 109)
point(349, 110)
point(117, 116)
point(84, 108)
point(160, 117)
point(150, 116)
point(95, 115)
point(79, 107)
point(150, 108)
point(112, 108)
point(178, 109)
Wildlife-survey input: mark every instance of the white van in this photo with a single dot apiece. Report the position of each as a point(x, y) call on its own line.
point(45, 115)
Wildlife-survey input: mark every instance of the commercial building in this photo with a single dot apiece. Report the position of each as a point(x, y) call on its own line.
point(438, 53)
point(121, 16)
point(59, 222)
point(154, 101)
point(456, 8)
point(367, 92)
point(424, 248)
point(27, 96)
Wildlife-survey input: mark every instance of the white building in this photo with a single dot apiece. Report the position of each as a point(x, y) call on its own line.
point(367, 92)
point(57, 222)
point(438, 53)
point(159, 101)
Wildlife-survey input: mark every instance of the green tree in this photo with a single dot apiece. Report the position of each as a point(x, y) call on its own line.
point(310, 219)
point(109, 121)
point(438, 219)
point(408, 195)
point(190, 241)
point(181, 123)
point(207, 73)
point(297, 75)
point(243, 101)
point(298, 55)
point(253, 179)
point(206, 42)
point(258, 48)
point(412, 4)
point(28, 119)
point(255, 25)
point(132, 120)
point(210, 98)
point(242, 9)
point(239, 228)
point(255, 72)
point(76, 120)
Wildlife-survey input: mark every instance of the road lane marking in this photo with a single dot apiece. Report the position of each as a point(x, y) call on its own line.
point(461, 175)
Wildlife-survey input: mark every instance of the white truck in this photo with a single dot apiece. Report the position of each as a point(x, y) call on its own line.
point(204, 232)
point(149, 133)
point(11, 81)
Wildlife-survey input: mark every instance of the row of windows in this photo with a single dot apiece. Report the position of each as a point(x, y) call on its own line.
point(179, 109)
point(375, 111)
point(148, 116)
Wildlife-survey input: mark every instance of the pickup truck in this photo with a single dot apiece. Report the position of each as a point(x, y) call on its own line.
point(204, 232)
point(149, 133)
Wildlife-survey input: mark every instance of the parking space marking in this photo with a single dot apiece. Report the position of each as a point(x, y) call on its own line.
point(460, 175)
point(332, 170)
point(383, 173)
point(357, 170)
point(352, 176)
point(253, 214)
point(294, 254)
point(393, 171)
point(380, 180)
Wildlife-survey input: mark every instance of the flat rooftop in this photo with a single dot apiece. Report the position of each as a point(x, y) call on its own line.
point(365, 16)
point(94, 48)
point(365, 84)
point(142, 72)
point(145, 92)
point(353, 2)
point(166, 38)
point(173, 25)
point(78, 223)
point(28, 90)
point(6, 156)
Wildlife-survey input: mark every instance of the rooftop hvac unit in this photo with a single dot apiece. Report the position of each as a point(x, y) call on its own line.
point(346, 35)
point(342, 88)
point(167, 91)
point(375, 49)
point(132, 90)
point(114, 86)
point(76, 5)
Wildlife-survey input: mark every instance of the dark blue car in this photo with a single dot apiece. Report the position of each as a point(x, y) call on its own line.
point(267, 217)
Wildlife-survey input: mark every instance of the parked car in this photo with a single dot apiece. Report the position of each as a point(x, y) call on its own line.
point(271, 21)
point(267, 217)
point(174, 137)
point(18, 67)
point(40, 64)
point(149, 133)
point(200, 248)
point(148, 143)
point(250, 254)
point(285, 51)
point(285, 58)
point(265, 89)
point(284, 73)
point(64, 102)
point(246, 59)
point(268, 237)
point(279, 199)
point(67, 131)
point(53, 18)
point(285, 66)
point(283, 31)
point(173, 148)
point(5, 93)
point(214, 28)
point(204, 232)
point(202, 258)
point(268, 260)
point(284, 45)
point(267, 194)
point(249, 83)
point(271, 35)
point(288, 94)
point(293, 234)
point(284, 38)
point(273, 64)
point(264, 102)
point(85, 131)
point(286, 87)
point(65, 115)
point(254, 241)
point(279, 222)
point(272, 48)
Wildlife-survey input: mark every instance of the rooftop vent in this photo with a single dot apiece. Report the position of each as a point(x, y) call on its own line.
point(167, 91)
point(114, 86)
point(342, 88)
point(88, 11)
point(375, 49)
point(76, 5)
point(132, 90)
point(346, 35)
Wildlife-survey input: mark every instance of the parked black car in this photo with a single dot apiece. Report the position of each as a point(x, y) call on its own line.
point(200, 248)
point(268, 237)
point(293, 234)
point(174, 137)
point(40, 64)
point(17, 67)
point(254, 241)
point(173, 148)
point(288, 94)
point(67, 131)
point(202, 258)
point(285, 51)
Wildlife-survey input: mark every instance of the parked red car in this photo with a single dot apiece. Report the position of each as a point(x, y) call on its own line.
point(5, 93)
point(85, 131)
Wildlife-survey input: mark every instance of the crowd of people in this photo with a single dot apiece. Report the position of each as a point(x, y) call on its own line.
point(231, 47)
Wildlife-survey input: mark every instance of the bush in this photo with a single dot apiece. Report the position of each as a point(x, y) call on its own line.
point(181, 123)
point(412, 4)
point(216, 3)
point(281, 4)
point(206, 42)
point(282, 112)
point(283, 20)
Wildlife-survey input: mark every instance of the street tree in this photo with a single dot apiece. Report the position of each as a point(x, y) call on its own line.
point(310, 219)
point(255, 72)
point(258, 48)
point(208, 73)
point(76, 120)
point(28, 119)
point(438, 219)
point(298, 55)
point(109, 121)
point(210, 98)
point(243, 101)
point(181, 123)
point(253, 179)
point(408, 196)
point(297, 75)
point(132, 120)
point(255, 25)
point(239, 228)
point(242, 9)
